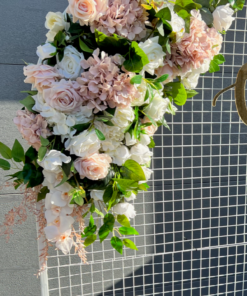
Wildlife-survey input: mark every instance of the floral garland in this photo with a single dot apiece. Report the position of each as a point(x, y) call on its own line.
point(104, 80)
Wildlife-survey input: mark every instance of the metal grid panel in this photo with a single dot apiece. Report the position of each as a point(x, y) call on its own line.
point(192, 222)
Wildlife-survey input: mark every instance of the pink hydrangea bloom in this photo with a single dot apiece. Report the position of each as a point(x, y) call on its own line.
point(42, 76)
point(31, 127)
point(194, 48)
point(103, 84)
point(93, 167)
point(64, 96)
point(123, 17)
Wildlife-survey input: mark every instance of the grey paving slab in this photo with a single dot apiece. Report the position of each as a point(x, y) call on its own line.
point(19, 257)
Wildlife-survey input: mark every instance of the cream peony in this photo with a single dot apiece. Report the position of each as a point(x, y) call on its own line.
point(140, 97)
point(70, 67)
point(141, 154)
point(119, 155)
point(64, 96)
point(87, 11)
point(93, 167)
point(85, 144)
point(223, 17)
point(154, 53)
point(157, 108)
point(125, 209)
point(53, 160)
point(55, 22)
point(46, 51)
point(123, 116)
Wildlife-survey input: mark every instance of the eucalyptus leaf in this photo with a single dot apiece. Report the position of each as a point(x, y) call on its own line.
point(5, 151)
point(4, 164)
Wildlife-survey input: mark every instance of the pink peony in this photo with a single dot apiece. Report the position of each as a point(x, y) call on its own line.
point(87, 11)
point(64, 96)
point(31, 127)
point(42, 76)
point(94, 167)
point(123, 17)
point(194, 48)
point(103, 84)
point(150, 130)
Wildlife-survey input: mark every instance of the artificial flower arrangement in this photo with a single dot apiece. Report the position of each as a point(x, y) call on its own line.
point(107, 74)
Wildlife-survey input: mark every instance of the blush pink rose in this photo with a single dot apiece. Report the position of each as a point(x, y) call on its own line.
point(42, 76)
point(64, 96)
point(31, 127)
point(151, 130)
point(94, 167)
point(87, 11)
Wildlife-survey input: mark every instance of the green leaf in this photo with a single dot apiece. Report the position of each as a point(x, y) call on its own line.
point(109, 123)
point(100, 135)
point(60, 39)
point(4, 164)
point(36, 179)
point(75, 28)
point(237, 4)
point(177, 91)
point(117, 244)
point(111, 111)
point(134, 171)
point(191, 93)
point(128, 231)
point(42, 193)
point(89, 240)
point(41, 153)
point(219, 58)
point(85, 214)
point(84, 46)
point(164, 14)
point(152, 143)
point(137, 59)
point(18, 152)
point(129, 244)
point(112, 44)
point(5, 151)
point(103, 233)
point(108, 194)
point(143, 186)
point(81, 127)
point(31, 154)
point(89, 231)
point(28, 102)
point(109, 221)
point(207, 16)
point(44, 142)
point(123, 220)
point(91, 221)
point(214, 67)
point(66, 167)
point(126, 184)
point(162, 78)
point(151, 119)
point(30, 92)
point(136, 79)
point(92, 208)
point(160, 28)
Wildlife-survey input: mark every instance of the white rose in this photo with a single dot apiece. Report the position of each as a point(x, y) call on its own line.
point(70, 66)
point(139, 100)
point(55, 22)
point(125, 209)
point(157, 108)
point(97, 194)
point(223, 17)
point(46, 51)
point(147, 172)
point(130, 141)
point(178, 25)
point(191, 80)
point(145, 139)
point(119, 155)
point(123, 116)
point(154, 53)
point(85, 144)
point(141, 154)
point(53, 160)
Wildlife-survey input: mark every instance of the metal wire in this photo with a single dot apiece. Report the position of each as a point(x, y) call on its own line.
point(192, 222)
